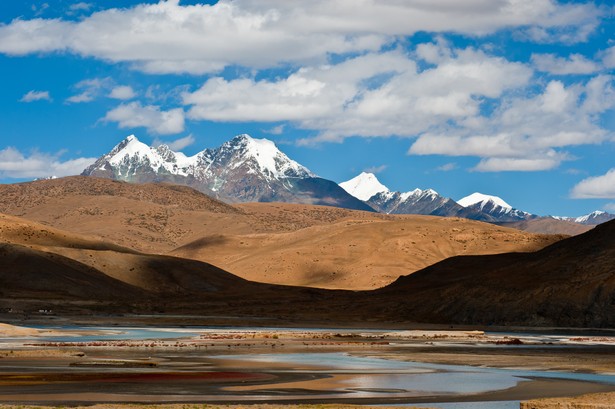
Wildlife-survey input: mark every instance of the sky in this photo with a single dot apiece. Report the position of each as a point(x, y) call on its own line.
point(513, 98)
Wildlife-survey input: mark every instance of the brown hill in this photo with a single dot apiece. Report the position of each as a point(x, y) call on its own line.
point(355, 254)
point(548, 225)
point(269, 242)
point(45, 268)
point(570, 283)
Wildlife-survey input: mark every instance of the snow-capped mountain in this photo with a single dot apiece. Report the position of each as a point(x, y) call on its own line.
point(591, 219)
point(243, 169)
point(368, 188)
point(364, 186)
point(495, 207)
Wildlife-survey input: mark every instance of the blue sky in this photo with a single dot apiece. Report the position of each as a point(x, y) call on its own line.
point(514, 98)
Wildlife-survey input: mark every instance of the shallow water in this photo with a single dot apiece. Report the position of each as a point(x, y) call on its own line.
point(404, 378)
point(311, 375)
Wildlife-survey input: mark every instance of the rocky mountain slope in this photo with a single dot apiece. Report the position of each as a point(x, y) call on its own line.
point(243, 169)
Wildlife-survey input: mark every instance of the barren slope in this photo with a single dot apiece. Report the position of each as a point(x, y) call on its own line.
point(269, 242)
point(356, 254)
point(547, 225)
point(570, 283)
point(43, 267)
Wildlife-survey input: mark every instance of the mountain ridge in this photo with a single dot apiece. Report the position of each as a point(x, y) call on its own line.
point(243, 169)
point(476, 206)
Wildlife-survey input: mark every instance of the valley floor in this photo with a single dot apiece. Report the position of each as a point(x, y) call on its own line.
point(72, 365)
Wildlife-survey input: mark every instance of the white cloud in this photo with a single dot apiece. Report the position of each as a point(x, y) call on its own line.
point(517, 164)
point(33, 95)
point(276, 130)
point(157, 121)
point(177, 144)
point(609, 207)
point(309, 93)
point(608, 57)
point(123, 92)
point(597, 187)
point(82, 6)
point(447, 167)
point(375, 169)
point(169, 37)
point(94, 88)
point(574, 64)
point(15, 164)
point(85, 96)
point(90, 90)
point(370, 95)
point(528, 133)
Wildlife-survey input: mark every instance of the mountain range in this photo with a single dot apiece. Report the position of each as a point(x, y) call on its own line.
point(245, 169)
point(476, 206)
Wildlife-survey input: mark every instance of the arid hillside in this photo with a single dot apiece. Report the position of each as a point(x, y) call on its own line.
point(547, 225)
point(355, 254)
point(570, 283)
point(46, 268)
point(277, 243)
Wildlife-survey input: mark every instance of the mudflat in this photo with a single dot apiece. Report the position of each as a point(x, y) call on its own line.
point(79, 366)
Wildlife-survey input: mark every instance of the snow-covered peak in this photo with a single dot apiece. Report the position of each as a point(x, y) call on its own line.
point(419, 193)
point(131, 147)
point(483, 199)
point(364, 186)
point(270, 160)
point(592, 215)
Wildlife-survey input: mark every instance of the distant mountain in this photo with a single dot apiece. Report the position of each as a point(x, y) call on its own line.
point(364, 186)
point(368, 188)
point(592, 219)
point(243, 169)
point(495, 207)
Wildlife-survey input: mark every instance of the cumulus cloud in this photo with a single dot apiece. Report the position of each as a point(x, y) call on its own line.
point(596, 187)
point(15, 164)
point(169, 37)
point(177, 144)
point(528, 133)
point(156, 120)
point(89, 90)
point(574, 64)
point(370, 95)
point(123, 92)
point(94, 88)
point(33, 95)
